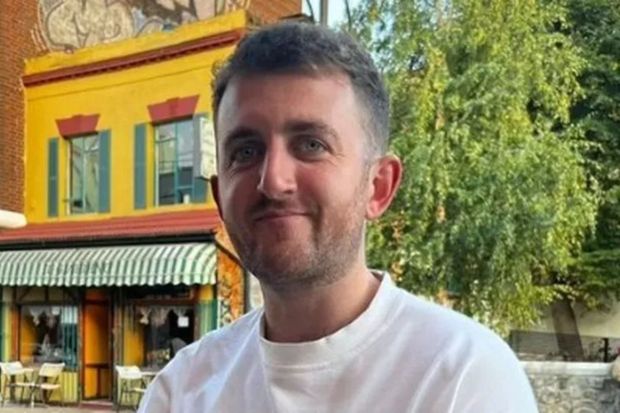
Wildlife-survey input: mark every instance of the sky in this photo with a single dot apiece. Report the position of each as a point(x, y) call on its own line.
point(336, 11)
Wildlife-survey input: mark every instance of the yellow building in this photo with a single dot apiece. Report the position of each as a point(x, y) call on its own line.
point(122, 261)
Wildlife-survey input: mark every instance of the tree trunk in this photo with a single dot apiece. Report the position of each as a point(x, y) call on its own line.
point(566, 329)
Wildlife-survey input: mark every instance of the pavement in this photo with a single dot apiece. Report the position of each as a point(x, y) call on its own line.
point(11, 408)
point(53, 409)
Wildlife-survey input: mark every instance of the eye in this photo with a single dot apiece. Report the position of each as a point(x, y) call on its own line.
point(311, 146)
point(244, 155)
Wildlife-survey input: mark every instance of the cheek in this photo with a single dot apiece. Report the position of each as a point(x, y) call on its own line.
point(234, 195)
point(340, 192)
point(241, 194)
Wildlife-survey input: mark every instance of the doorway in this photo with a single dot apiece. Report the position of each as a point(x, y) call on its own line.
point(97, 355)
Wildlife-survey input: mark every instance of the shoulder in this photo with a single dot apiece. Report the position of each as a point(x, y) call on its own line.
point(464, 358)
point(216, 345)
point(446, 326)
point(199, 361)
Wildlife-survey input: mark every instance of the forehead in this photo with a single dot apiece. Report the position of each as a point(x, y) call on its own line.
point(278, 96)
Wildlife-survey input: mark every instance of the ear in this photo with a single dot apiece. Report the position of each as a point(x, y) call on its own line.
point(215, 190)
point(385, 177)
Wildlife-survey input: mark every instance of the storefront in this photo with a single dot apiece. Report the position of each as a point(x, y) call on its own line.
point(95, 307)
point(121, 262)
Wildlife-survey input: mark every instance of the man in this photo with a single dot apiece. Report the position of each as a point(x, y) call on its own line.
point(302, 132)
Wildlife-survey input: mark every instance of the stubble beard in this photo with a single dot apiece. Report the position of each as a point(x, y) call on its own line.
point(333, 248)
point(321, 263)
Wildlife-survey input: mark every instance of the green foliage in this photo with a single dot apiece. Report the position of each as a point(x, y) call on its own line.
point(495, 202)
point(595, 27)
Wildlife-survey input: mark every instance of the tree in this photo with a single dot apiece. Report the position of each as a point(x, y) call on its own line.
point(594, 277)
point(595, 28)
point(495, 202)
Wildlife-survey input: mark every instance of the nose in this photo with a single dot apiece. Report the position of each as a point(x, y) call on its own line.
point(277, 172)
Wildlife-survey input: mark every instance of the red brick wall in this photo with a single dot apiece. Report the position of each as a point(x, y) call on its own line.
point(269, 11)
point(17, 19)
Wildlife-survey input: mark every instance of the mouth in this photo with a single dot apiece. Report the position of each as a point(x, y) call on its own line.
point(277, 215)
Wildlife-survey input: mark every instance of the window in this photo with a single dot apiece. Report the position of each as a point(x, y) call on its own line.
point(84, 177)
point(166, 331)
point(174, 162)
point(48, 334)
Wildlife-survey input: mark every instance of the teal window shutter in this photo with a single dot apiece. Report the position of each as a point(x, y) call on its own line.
point(139, 166)
point(200, 184)
point(104, 171)
point(52, 178)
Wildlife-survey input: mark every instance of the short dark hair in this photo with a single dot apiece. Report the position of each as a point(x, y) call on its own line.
point(293, 47)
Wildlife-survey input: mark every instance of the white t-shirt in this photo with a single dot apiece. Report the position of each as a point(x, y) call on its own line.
point(402, 354)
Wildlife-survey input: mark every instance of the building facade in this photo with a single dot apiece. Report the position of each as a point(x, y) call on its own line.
point(124, 259)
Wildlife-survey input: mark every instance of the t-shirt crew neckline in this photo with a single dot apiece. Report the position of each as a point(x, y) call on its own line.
point(339, 346)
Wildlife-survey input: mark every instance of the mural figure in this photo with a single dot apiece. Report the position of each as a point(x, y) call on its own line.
point(72, 24)
point(226, 6)
point(175, 12)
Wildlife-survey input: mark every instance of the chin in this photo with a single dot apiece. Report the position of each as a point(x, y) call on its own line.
point(291, 276)
point(276, 273)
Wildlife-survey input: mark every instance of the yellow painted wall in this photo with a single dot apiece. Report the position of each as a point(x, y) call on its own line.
point(27, 338)
point(133, 345)
point(121, 98)
point(69, 387)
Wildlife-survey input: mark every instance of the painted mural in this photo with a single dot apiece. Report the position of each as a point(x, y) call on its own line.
point(72, 24)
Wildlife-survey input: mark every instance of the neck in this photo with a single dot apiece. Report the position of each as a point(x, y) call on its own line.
point(310, 314)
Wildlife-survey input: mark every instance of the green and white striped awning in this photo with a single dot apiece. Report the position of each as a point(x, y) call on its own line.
point(190, 263)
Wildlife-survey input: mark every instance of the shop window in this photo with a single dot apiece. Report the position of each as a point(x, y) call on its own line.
point(84, 179)
point(48, 334)
point(159, 292)
point(174, 162)
point(166, 331)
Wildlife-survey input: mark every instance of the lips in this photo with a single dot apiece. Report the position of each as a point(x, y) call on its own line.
point(277, 214)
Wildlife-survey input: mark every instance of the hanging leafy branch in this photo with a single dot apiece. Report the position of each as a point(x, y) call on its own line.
point(496, 202)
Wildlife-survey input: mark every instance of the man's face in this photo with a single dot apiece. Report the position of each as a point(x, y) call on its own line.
point(293, 175)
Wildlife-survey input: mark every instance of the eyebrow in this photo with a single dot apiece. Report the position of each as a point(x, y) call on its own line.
point(311, 126)
point(238, 134)
point(290, 128)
